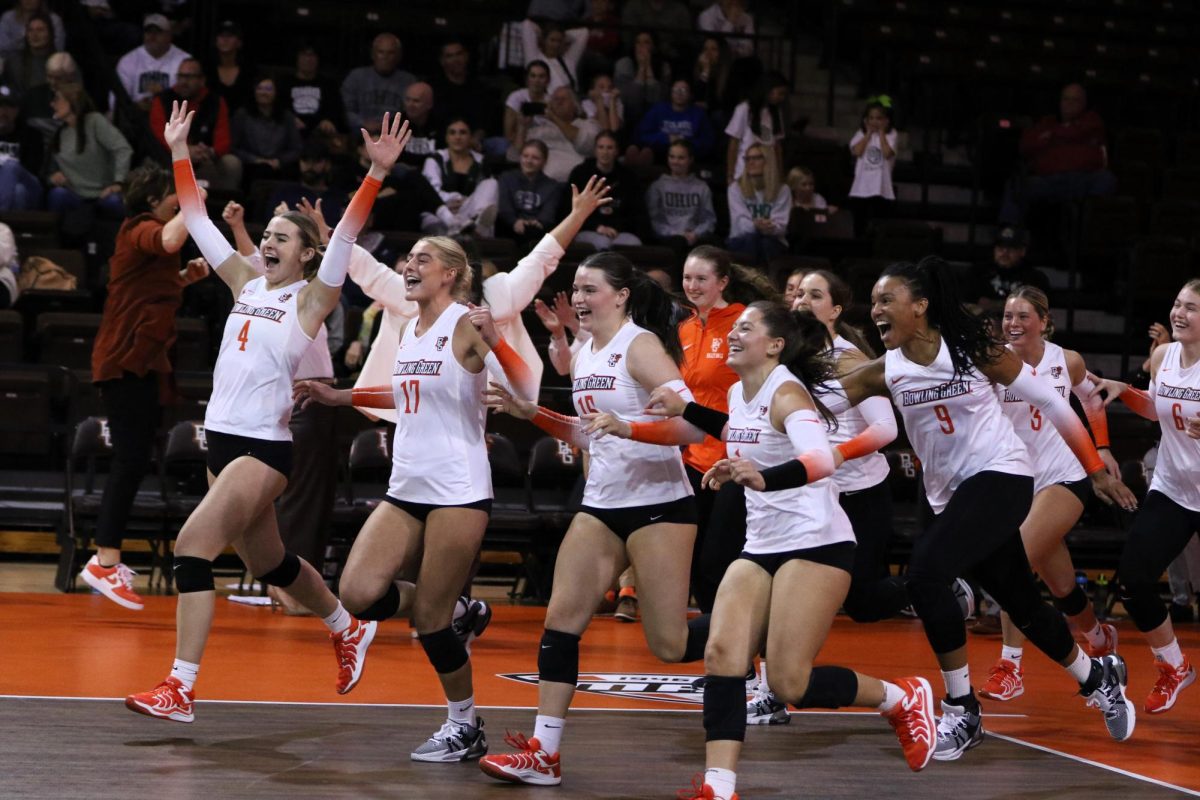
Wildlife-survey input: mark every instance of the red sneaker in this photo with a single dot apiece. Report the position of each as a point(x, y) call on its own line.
point(1171, 681)
point(115, 583)
point(169, 700)
point(350, 647)
point(1110, 642)
point(1004, 681)
point(530, 764)
point(699, 790)
point(912, 719)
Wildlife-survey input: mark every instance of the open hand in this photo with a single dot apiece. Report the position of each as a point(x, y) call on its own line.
point(501, 399)
point(600, 425)
point(593, 195)
point(178, 127)
point(317, 215)
point(393, 136)
point(1112, 491)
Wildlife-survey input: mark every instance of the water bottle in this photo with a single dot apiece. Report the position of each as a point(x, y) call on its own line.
point(1100, 599)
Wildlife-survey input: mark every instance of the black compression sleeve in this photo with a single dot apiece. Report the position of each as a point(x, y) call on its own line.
point(790, 475)
point(706, 419)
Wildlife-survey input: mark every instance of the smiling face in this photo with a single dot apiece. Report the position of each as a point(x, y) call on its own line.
point(813, 295)
point(679, 161)
point(532, 160)
point(1022, 327)
point(595, 300)
point(750, 343)
point(426, 275)
point(284, 251)
point(1185, 315)
point(701, 284)
point(536, 80)
point(756, 162)
point(895, 312)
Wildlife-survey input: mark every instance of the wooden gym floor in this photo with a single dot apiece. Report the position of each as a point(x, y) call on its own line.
point(269, 723)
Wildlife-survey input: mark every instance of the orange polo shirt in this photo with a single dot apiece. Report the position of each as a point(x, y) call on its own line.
point(705, 349)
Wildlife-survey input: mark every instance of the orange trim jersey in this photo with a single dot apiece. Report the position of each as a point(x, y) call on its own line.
point(705, 348)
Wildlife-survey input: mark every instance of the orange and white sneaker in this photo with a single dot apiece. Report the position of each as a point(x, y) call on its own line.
point(350, 647)
point(530, 764)
point(1110, 642)
point(1005, 681)
point(1171, 681)
point(912, 719)
point(699, 790)
point(115, 583)
point(169, 700)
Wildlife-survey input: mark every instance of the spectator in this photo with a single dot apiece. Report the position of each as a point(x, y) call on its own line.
point(461, 94)
point(406, 202)
point(147, 70)
point(89, 157)
point(603, 103)
point(791, 287)
point(568, 136)
point(672, 16)
point(995, 281)
point(759, 205)
point(710, 77)
point(210, 139)
point(10, 289)
point(227, 76)
point(316, 171)
point(315, 102)
point(730, 18)
point(25, 66)
point(528, 105)
point(35, 104)
point(13, 24)
point(614, 223)
point(116, 35)
point(604, 38)
point(529, 199)
point(266, 138)
point(758, 120)
point(368, 92)
point(458, 176)
point(679, 204)
point(803, 185)
point(21, 152)
point(559, 49)
point(874, 150)
point(131, 362)
point(678, 119)
point(642, 78)
point(423, 125)
point(1066, 158)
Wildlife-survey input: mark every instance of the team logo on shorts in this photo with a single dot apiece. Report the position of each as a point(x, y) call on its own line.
point(614, 359)
point(1055, 372)
point(440, 343)
point(283, 298)
point(636, 686)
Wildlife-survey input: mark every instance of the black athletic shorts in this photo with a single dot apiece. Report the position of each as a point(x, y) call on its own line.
point(223, 448)
point(421, 511)
point(1081, 489)
point(838, 554)
point(624, 521)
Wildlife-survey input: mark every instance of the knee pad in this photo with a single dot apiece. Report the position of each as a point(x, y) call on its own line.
point(558, 657)
point(830, 687)
point(385, 607)
point(697, 638)
point(1073, 604)
point(284, 575)
point(1144, 605)
point(444, 650)
point(192, 574)
point(724, 708)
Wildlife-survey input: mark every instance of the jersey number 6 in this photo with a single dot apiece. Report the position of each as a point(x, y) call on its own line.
point(944, 422)
point(1177, 415)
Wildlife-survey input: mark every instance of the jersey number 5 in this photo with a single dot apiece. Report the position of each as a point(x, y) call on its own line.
point(412, 396)
point(944, 422)
point(244, 335)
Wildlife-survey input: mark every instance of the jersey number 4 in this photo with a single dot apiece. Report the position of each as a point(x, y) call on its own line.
point(412, 396)
point(945, 423)
point(244, 335)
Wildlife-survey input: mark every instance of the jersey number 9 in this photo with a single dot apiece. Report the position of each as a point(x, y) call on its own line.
point(944, 422)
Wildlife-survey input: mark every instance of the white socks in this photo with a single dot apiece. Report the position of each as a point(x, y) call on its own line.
point(1081, 667)
point(1013, 654)
point(462, 712)
point(339, 621)
point(185, 672)
point(958, 681)
point(1095, 637)
point(892, 695)
point(548, 732)
point(722, 781)
point(1171, 654)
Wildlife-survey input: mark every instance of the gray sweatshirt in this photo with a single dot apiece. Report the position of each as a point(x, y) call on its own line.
point(679, 205)
point(366, 95)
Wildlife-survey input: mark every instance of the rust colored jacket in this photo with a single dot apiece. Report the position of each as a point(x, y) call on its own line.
point(705, 349)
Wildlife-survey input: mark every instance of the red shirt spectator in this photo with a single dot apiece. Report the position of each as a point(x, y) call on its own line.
point(210, 129)
point(1074, 141)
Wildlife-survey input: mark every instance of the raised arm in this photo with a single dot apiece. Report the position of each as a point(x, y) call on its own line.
point(498, 356)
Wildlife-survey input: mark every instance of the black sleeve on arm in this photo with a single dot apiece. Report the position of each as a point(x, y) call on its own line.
point(790, 475)
point(706, 419)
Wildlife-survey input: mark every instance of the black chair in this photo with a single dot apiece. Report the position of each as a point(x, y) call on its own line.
point(512, 528)
point(903, 240)
point(191, 345)
point(650, 256)
point(1175, 218)
point(184, 472)
point(555, 468)
point(66, 338)
point(1147, 145)
point(369, 465)
point(12, 337)
point(1181, 182)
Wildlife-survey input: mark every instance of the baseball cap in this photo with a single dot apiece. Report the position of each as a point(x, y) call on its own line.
point(1011, 236)
point(159, 21)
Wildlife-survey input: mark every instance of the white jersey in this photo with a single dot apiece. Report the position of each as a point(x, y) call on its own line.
point(788, 519)
point(623, 473)
point(1053, 461)
point(858, 473)
point(954, 423)
point(316, 361)
point(439, 455)
point(1177, 399)
point(261, 349)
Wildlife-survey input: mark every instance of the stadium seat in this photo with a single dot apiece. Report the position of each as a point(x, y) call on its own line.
point(65, 338)
point(1175, 218)
point(903, 240)
point(12, 337)
point(191, 345)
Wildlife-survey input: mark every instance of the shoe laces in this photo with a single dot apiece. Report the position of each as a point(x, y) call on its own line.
point(1003, 671)
point(695, 791)
point(450, 731)
point(517, 741)
point(952, 724)
point(126, 575)
point(1169, 678)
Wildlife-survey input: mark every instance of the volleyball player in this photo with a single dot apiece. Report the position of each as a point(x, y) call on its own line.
point(940, 364)
point(788, 583)
point(637, 503)
point(1170, 515)
point(440, 491)
point(1060, 487)
point(274, 321)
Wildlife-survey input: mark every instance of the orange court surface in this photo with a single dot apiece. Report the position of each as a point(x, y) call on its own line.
point(269, 723)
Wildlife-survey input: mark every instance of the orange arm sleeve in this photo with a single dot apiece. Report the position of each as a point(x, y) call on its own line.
point(1140, 402)
point(373, 397)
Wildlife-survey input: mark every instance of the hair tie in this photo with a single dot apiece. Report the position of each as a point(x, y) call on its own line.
point(880, 99)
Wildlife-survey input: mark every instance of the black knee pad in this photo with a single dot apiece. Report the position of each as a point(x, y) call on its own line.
point(444, 650)
point(1047, 629)
point(558, 657)
point(830, 687)
point(383, 608)
point(1073, 604)
point(724, 708)
point(940, 614)
point(1145, 607)
point(697, 638)
point(192, 574)
point(284, 575)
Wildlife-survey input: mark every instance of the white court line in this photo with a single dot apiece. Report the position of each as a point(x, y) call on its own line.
point(1091, 763)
